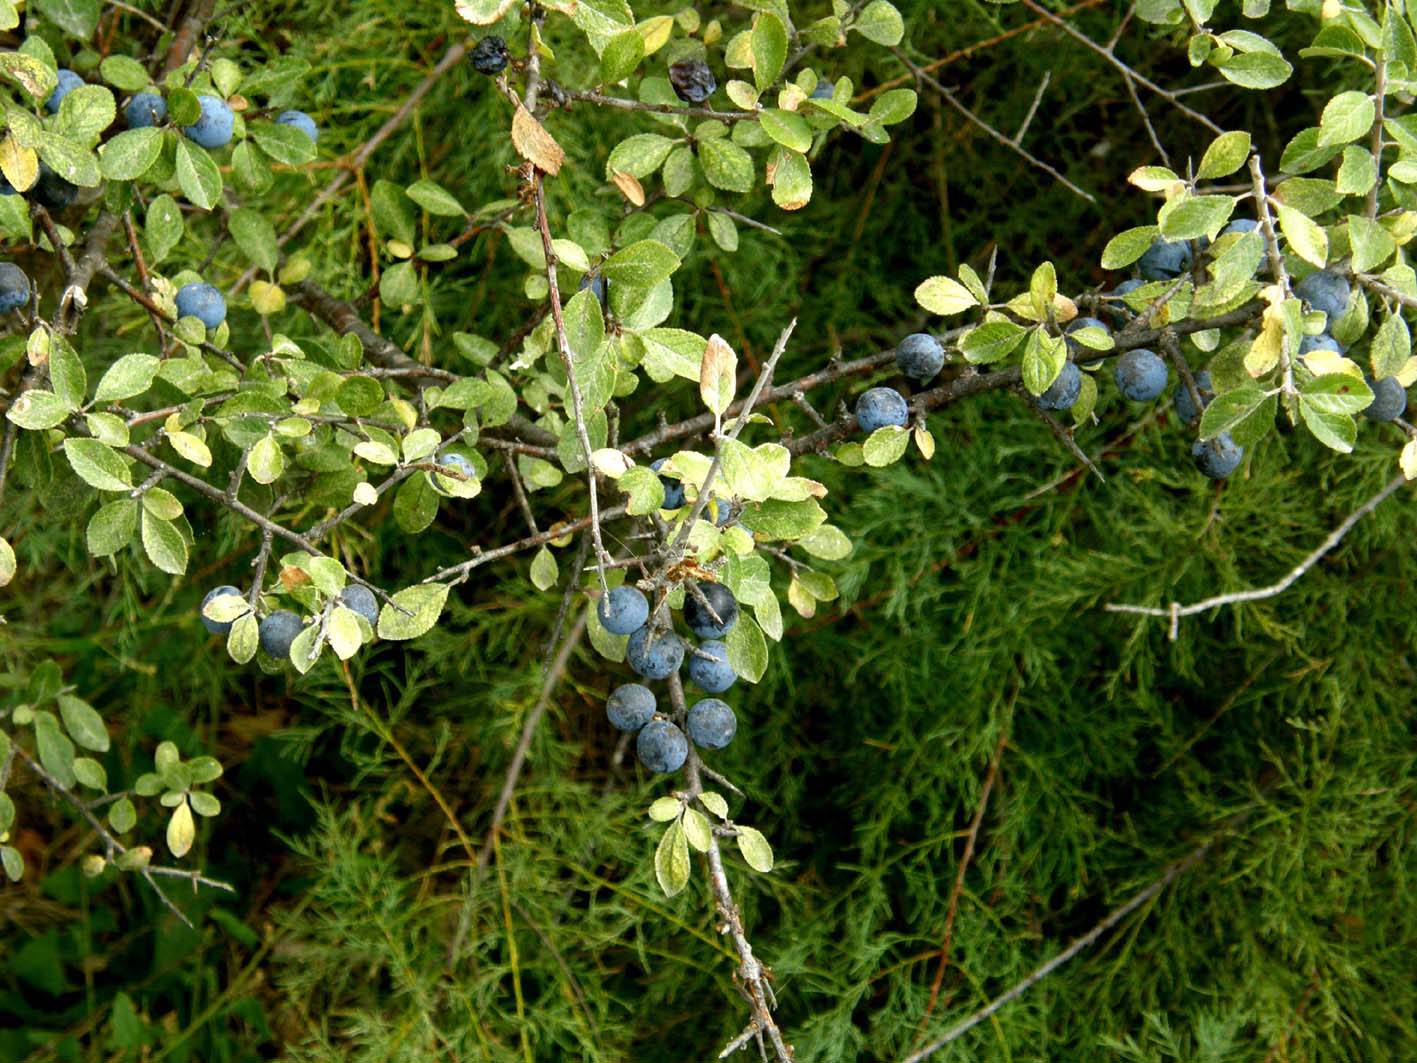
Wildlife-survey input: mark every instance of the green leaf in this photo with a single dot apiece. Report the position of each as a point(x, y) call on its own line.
point(1229, 408)
point(70, 159)
point(714, 803)
point(130, 154)
point(791, 179)
point(1358, 172)
point(124, 73)
point(788, 129)
point(992, 342)
point(131, 375)
point(66, 372)
point(283, 143)
point(162, 226)
point(1043, 359)
point(423, 603)
point(1391, 347)
point(56, 752)
point(664, 809)
point(83, 723)
point(266, 461)
point(643, 489)
point(1256, 70)
point(399, 285)
point(886, 446)
point(639, 155)
point(255, 235)
point(893, 107)
point(769, 50)
point(747, 649)
point(1346, 117)
point(181, 830)
point(90, 773)
point(755, 849)
point(827, 542)
point(544, 570)
point(164, 544)
point(14, 863)
point(98, 465)
point(944, 296)
point(697, 830)
point(1305, 237)
point(435, 199)
point(85, 113)
point(1372, 244)
point(726, 165)
point(642, 265)
point(880, 22)
point(671, 860)
point(112, 526)
point(622, 54)
point(7, 806)
point(1336, 393)
point(1334, 430)
point(7, 571)
point(122, 816)
point(1189, 217)
point(78, 18)
point(1128, 246)
point(1303, 153)
point(1226, 154)
point(197, 175)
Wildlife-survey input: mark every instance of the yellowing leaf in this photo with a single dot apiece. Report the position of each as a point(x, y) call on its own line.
point(944, 296)
point(718, 374)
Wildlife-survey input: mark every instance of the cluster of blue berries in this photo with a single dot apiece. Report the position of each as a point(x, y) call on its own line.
point(710, 611)
point(278, 629)
point(214, 126)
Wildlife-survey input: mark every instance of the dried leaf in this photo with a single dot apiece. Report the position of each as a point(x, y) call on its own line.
point(629, 187)
point(534, 144)
point(718, 374)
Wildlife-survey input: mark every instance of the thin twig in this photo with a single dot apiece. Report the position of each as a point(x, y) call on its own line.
point(1043, 970)
point(1176, 610)
point(619, 104)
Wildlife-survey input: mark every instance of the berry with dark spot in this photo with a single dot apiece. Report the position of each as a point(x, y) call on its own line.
point(656, 657)
point(700, 617)
point(711, 724)
point(630, 707)
point(490, 56)
point(662, 747)
point(1218, 457)
point(692, 80)
point(623, 611)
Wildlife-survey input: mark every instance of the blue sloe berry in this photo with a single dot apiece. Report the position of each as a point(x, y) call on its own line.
point(692, 80)
point(662, 747)
point(1241, 225)
point(1140, 375)
point(1077, 324)
point(658, 657)
point(1322, 342)
point(1218, 457)
point(1389, 399)
point(217, 627)
point(920, 355)
point(1165, 260)
point(361, 600)
point(51, 191)
point(278, 631)
point(1063, 392)
point(144, 110)
point(489, 56)
point(598, 286)
point(301, 121)
point(202, 301)
point(213, 127)
point(879, 407)
point(711, 724)
point(700, 618)
point(68, 82)
point(623, 611)
point(673, 489)
point(630, 707)
point(1185, 405)
point(709, 667)
point(14, 287)
point(1326, 291)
